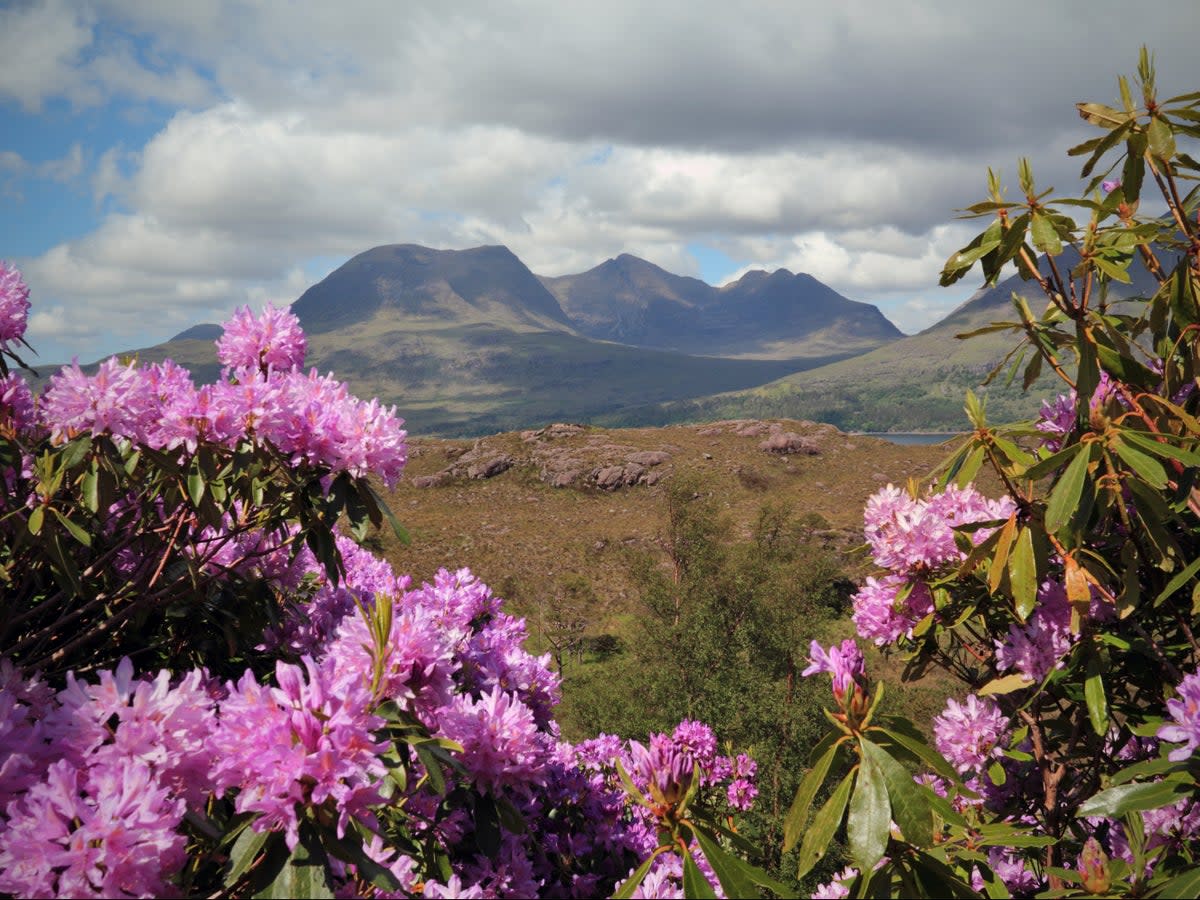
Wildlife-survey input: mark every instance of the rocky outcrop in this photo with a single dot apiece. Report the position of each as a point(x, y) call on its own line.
point(786, 443)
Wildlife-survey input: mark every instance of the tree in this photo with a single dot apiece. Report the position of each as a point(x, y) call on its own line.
point(1067, 607)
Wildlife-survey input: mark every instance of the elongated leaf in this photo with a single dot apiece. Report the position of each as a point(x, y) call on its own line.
point(305, 874)
point(630, 886)
point(35, 520)
point(77, 532)
point(1005, 684)
point(870, 814)
point(1161, 448)
point(1045, 238)
point(824, 825)
point(245, 851)
point(1023, 574)
point(1162, 142)
point(910, 806)
point(1185, 885)
point(1053, 462)
point(1093, 692)
point(797, 816)
point(1112, 270)
point(1064, 498)
point(918, 748)
point(1147, 467)
point(1000, 557)
point(1116, 801)
point(738, 877)
point(1178, 581)
point(694, 882)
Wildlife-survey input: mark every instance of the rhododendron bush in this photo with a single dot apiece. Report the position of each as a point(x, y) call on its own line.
point(1068, 607)
point(208, 687)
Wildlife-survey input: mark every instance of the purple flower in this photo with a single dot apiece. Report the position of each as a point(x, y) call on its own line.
point(666, 767)
point(108, 831)
point(1185, 710)
point(878, 614)
point(14, 304)
point(17, 414)
point(968, 734)
point(844, 663)
point(301, 743)
point(1110, 185)
point(502, 746)
point(271, 341)
point(1040, 645)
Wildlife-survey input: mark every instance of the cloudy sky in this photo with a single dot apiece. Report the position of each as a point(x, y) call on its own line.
point(164, 162)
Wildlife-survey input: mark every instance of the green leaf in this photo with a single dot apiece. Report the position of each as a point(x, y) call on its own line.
point(35, 520)
point(1185, 885)
point(1161, 448)
point(1162, 141)
point(1178, 581)
point(824, 825)
point(1112, 270)
point(694, 882)
point(90, 486)
point(1023, 574)
point(627, 890)
point(870, 813)
point(1134, 169)
point(918, 748)
point(738, 878)
point(245, 851)
point(1000, 555)
point(74, 528)
point(797, 816)
point(1044, 235)
point(1101, 115)
point(909, 803)
point(1005, 684)
point(305, 874)
point(1116, 801)
point(195, 486)
point(1053, 462)
point(1148, 469)
point(1064, 498)
point(1093, 692)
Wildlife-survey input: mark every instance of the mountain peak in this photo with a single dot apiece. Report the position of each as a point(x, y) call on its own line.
point(480, 284)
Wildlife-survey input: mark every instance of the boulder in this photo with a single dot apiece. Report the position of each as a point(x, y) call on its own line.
point(786, 443)
point(490, 467)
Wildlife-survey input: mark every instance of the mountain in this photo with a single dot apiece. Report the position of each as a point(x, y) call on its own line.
point(780, 315)
point(423, 286)
point(469, 342)
point(916, 383)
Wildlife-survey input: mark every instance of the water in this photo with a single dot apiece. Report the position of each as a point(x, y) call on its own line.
point(912, 437)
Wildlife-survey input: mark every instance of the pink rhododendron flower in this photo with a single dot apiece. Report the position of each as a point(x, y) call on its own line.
point(970, 733)
point(14, 304)
point(1185, 710)
point(271, 340)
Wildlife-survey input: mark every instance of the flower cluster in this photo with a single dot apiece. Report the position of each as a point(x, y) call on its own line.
point(914, 539)
point(270, 341)
point(14, 305)
point(971, 733)
point(98, 780)
point(1185, 711)
point(110, 784)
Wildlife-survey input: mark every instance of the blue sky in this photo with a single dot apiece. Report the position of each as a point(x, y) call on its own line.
point(164, 163)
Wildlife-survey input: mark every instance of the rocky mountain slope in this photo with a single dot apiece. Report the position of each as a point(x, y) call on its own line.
point(776, 315)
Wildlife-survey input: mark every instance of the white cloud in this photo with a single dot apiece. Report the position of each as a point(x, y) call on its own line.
point(784, 134)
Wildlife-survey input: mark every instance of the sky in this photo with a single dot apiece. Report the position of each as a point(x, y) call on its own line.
point(163, 163)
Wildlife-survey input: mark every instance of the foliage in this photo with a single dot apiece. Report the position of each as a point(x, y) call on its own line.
point(316, 725)
point(1067, 608)
point(741, 610)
